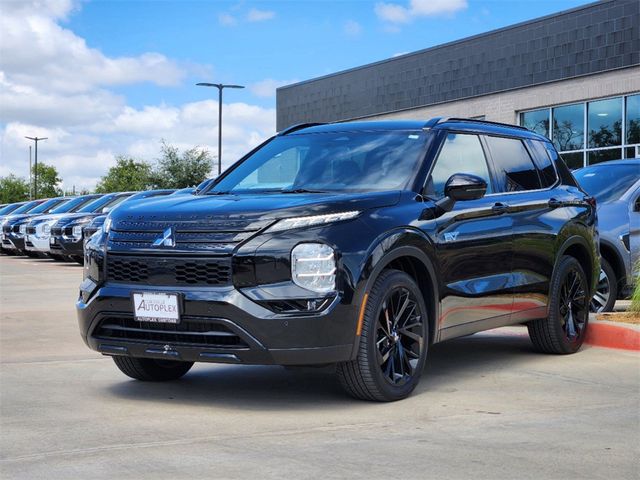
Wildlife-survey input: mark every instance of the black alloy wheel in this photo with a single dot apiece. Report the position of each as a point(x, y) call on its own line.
point(393, 343)
point(564, 330)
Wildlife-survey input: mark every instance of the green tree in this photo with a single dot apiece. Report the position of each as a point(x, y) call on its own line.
point(180, 170)
point(48, 181)
point(13, 189)
point(127, 175)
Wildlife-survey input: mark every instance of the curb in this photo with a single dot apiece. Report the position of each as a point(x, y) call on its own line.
point(618, 335)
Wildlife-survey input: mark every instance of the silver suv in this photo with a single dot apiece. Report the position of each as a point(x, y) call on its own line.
point(616, 187)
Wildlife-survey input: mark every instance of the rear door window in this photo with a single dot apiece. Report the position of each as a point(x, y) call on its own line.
point(548, 176)
point(513, 164)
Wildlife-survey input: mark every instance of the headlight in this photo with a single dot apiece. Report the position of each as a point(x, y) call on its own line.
point(22, 229)
point(300, 222)
point(46, 229)
point(106, 226)
point(313, 266)
point(76, 232)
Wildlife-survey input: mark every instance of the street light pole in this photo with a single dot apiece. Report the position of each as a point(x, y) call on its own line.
point(30, 176)
point(35, 165)
point(220, 87)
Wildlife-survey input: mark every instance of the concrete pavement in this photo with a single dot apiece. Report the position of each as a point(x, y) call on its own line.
point(488, 407)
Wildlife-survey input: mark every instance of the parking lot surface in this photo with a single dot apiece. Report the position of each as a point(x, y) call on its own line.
point(487, 407)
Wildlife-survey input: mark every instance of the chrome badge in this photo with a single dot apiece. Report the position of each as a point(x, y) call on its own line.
point(167, 239)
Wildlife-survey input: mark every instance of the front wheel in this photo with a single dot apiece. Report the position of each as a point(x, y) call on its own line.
point(150, 370)
point(393, 341)
point(563, 331)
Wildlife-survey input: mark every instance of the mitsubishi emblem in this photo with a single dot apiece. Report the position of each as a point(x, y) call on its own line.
point(166, 239)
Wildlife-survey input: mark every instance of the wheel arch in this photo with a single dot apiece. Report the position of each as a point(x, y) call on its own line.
point(577, 247)
point(611, 255)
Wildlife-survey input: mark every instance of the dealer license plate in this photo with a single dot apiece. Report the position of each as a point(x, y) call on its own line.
point(156, 307)
point(52, 240)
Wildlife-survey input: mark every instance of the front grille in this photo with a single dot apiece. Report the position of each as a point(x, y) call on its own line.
point(31, 230)
point(56, 231)
point(211, 235)
point(190, 331)
point(6, 229)
point(152, 270)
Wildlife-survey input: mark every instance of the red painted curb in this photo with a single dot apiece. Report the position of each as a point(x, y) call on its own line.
point(612, 336)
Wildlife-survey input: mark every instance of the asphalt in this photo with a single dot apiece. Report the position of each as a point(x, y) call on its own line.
point(488, 407)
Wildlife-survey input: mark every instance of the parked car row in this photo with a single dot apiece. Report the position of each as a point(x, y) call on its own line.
point(57, 227)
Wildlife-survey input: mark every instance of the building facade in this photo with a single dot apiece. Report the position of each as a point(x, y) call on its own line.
point(573, 76)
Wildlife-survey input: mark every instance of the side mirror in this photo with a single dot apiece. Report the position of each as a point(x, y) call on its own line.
point(464, 186)
point(461, 187)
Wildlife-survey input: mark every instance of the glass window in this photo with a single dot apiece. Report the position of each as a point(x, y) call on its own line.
point(568, 127)
point(460, 153)
point(537, 121)
point(632, 152)
point(605, 123)
point(513, 164)
point(540, 157)
point(573, 160)
point(598, 156)
point(607, 182)
point(329, 161)
point(633, 119)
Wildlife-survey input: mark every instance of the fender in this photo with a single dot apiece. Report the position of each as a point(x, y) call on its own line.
point(592, 253)
point(401, 242)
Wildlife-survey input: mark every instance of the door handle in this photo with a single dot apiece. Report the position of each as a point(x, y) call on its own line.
point(500, 208)
point(554, 203)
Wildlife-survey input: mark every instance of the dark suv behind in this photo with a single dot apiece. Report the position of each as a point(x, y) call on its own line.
point(354, 244)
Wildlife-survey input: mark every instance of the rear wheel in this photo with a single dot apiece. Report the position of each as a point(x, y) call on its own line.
point(149, 369)
point(563, 331)
point(393, 342)
point(607, 290)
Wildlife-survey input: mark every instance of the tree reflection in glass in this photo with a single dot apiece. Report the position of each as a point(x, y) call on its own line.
point(568, 127)
point(605, 123)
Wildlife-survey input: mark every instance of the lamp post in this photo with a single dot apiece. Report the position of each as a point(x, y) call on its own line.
point(220, 87)
point(35, 165)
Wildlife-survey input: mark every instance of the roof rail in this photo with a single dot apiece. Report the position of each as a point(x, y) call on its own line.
point(439, 120)
point(297, 126)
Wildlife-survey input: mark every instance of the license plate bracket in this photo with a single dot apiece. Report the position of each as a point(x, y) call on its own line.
point(156, 307)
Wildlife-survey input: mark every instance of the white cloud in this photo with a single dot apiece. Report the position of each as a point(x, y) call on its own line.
point(60, 88)
point(267, 88)
point(227, 20)
point(352, 28)
point(396, 14)
point(255, 15)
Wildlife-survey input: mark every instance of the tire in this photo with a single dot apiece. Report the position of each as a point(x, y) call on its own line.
point(150, 370)
point(563, 331)
point(607, 290)
point(370, 376)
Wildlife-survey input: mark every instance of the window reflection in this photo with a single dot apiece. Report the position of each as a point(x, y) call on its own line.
point(597, 156)
point(537, 121)
point(633, 119)
point(568, 127)
point(573, 160)
point(605, 123)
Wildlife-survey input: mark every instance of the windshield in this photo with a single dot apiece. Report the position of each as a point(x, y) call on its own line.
point(26, 207)
point(96, 205)
point(607, 182)
point(9, 208)
point(329, 162)
point(48, 205)
point(72, 205)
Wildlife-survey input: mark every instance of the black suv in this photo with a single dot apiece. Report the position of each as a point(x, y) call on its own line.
point(354, 244)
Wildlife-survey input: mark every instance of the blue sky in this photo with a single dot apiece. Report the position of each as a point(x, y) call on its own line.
point(107, 78)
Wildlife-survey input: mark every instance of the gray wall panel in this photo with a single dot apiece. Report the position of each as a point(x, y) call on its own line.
point(591, 39)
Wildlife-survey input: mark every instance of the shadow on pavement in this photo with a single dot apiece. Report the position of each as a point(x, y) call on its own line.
point(274, 387)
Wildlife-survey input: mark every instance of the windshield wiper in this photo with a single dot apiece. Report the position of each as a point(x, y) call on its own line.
point(301, 190)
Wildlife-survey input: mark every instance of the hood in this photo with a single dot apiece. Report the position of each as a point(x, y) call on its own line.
point(66, 218)
point(193, 208)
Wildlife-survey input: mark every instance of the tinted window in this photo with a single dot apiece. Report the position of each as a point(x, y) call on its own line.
point(543, 162)
point(537, 121)
point(460, 153)
point(73, 204)
point(9, 208)
point(605, 123)
point(45, 207)
point(607, 182)
point(633, 119)
point(515, 169)
point(563, 172)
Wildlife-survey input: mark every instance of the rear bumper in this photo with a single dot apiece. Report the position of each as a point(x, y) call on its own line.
point(254, 334)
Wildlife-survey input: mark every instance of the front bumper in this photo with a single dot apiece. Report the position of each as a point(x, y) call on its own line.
point(68, 246)
point(13, 241)
point(34, 243)
point(219, 325)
